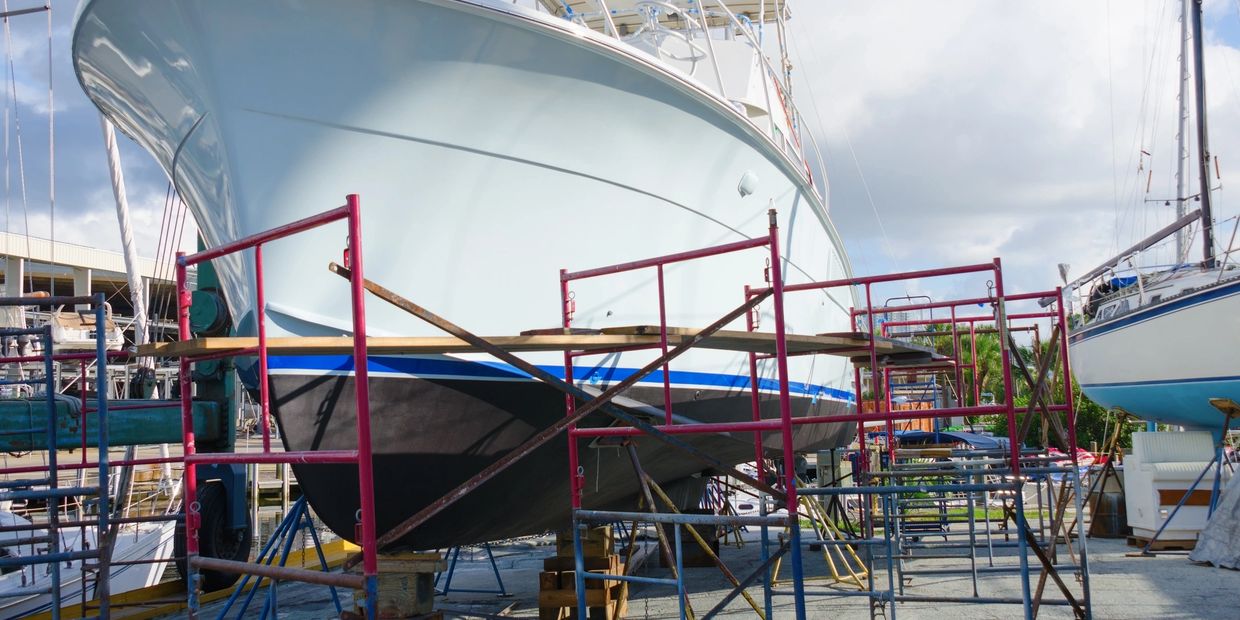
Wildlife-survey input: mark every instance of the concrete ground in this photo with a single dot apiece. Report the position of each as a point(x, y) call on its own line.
point(1164, 586)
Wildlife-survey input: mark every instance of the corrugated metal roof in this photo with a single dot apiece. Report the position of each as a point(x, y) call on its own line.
point(73, 255)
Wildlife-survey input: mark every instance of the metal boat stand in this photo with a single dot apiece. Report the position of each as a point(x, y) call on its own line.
point(454, 554)
point(276, 552)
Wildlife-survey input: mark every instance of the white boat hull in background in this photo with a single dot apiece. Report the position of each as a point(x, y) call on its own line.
point(147, 541)
point(1163, 362)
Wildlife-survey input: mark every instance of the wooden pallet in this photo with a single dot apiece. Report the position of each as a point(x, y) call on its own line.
point(557, 589)
point(606, 599)
point(1162, 545)
point(406, 587)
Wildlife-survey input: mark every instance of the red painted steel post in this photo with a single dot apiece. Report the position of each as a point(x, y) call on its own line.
point(570, 404)
point(1069, 398)
point(260, 315)
point(667, 380)
point(755, 399)
point(863, 455)
point(956, 359)
point(190, 475)
point(785, 416)
point(890, 426)
point(891, 435)
point(1006, 352)
point(361, 388)
point(873, 346)
point(82, 391)
point(977, 389)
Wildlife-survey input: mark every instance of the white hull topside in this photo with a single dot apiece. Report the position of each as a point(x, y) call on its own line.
point(1164, 362)
point(491, 147)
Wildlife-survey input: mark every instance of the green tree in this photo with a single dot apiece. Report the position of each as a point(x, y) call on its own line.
point(989, 377)
point(1094, 424)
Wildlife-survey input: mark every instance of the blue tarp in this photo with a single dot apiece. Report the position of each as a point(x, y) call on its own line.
point(1121, 282)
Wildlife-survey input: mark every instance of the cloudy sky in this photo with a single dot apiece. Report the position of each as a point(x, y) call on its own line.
point(1013, 129)
point(972, 129)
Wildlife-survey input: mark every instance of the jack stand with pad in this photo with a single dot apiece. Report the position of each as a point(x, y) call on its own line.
point(455, 553)
point(279, 546)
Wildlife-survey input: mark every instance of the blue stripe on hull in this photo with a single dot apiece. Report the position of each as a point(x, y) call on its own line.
point(1184, 402)
point(442, 367)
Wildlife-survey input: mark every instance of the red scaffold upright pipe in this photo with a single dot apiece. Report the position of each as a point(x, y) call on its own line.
point(365, 457)
point(82, 413)
point(264, 394)
point(189, 476)
point(890, 425)
point(1001, 323)
point(959, 367)
point(785, 417)
point(570, 403)
point(977, 389)
point(667, 379)
point(755, 399)
point(1068, 394)
point(873, 346)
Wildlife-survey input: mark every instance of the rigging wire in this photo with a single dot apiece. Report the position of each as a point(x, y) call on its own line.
point(822, 164)
point(11, 103)
point(1111, 105)
point(1130, 211)
point(887, 247)
point(176, 233)
point(51, 149)
point(158, 274)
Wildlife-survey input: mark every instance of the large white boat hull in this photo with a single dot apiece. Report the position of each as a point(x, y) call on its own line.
point(1165, 361)
point(491, 147)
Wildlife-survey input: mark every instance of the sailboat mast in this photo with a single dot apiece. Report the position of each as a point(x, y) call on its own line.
point(1203, 147)
point(1181, 175)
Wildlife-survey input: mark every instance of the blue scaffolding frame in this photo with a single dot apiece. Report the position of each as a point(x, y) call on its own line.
point(48, 489)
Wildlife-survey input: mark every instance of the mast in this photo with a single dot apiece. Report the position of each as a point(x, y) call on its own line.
point(1181, 176)
point(1203, 147)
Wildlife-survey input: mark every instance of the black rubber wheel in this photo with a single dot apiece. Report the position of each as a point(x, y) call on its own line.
point(214, 539)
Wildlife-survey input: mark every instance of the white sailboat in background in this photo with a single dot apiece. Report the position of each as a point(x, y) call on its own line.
point(137, 551)
point(1160, 344)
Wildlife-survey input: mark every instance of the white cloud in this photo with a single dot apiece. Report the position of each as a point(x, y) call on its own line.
point(985, 129)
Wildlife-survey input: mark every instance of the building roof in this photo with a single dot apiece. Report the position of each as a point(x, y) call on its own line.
point(40, 250)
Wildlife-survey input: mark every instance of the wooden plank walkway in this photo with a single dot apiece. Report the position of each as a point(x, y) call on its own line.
point(849, 344)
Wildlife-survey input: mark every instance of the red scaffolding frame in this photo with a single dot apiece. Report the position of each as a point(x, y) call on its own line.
point(350, 212)
point(866, 353)
point(863, 347)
